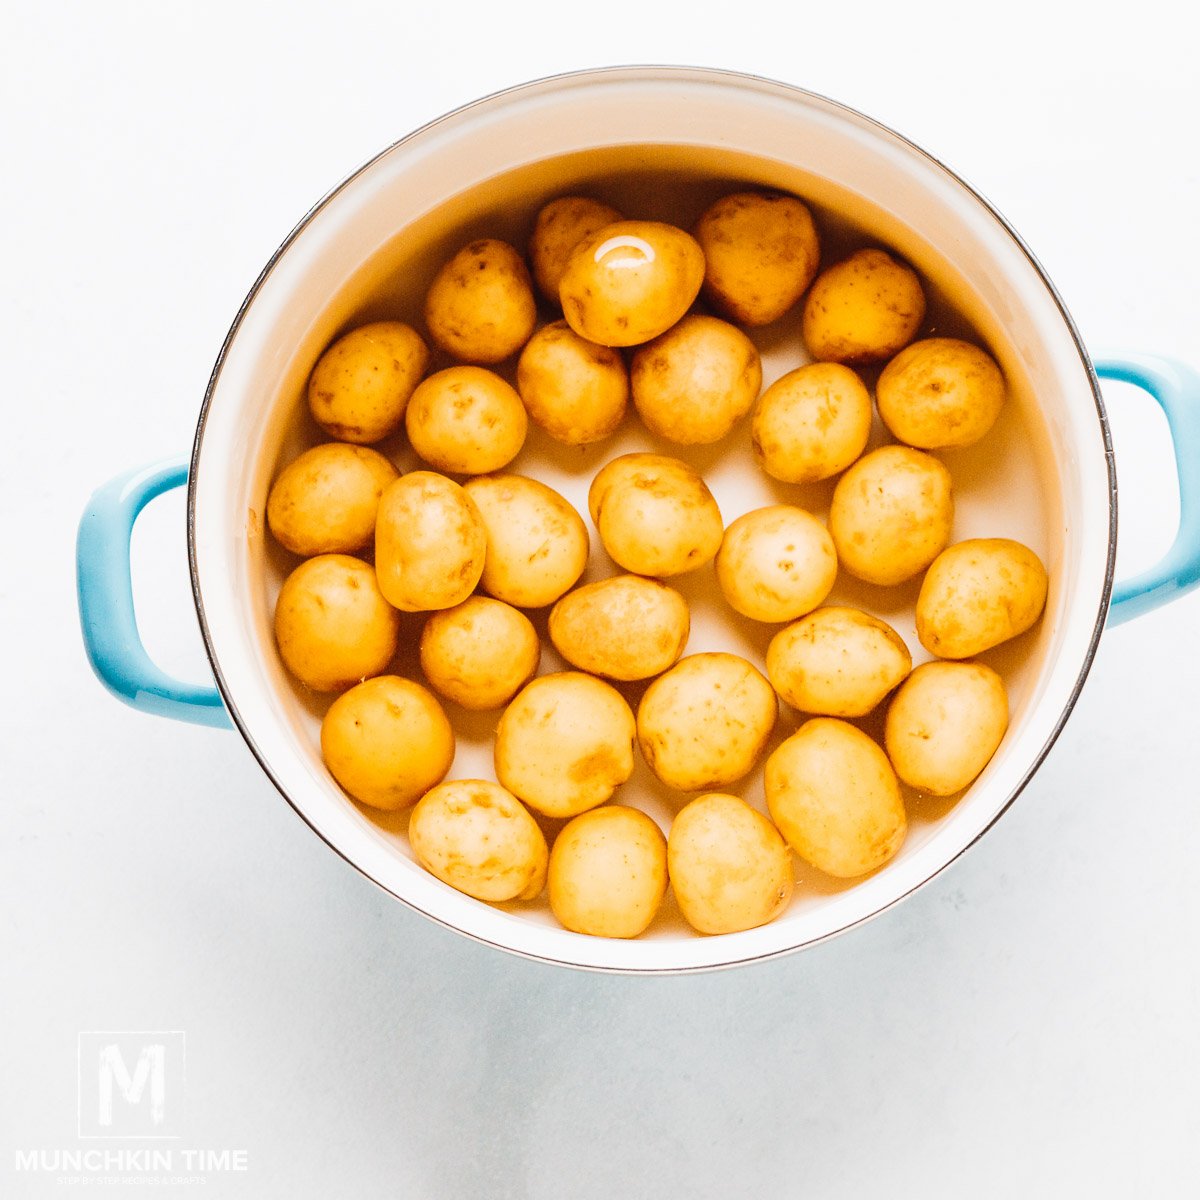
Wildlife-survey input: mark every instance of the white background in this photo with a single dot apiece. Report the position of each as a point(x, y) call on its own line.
point(1026, 1025)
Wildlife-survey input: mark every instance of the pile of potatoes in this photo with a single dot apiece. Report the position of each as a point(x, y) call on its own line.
point(476, 548)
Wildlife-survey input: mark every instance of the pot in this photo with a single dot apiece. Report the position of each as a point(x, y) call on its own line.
point(366, 249)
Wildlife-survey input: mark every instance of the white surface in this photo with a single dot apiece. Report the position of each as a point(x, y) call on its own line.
point(1025, 1025)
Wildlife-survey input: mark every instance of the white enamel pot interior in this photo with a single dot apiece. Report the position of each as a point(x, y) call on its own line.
point(658, 142)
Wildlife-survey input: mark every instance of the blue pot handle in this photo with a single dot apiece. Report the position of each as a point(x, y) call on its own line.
point(102, 575)
point(1176, 387)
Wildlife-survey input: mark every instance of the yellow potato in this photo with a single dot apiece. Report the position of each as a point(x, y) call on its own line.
point(480, 306)
point(761, 251)
point(480, 653)
point(776, 563)
point(944, 725)
point(629, 282)
point(891, 515)
point(324, 502)
point(729, 867)
point(706, 721)
point(623, 628)
point(812, 423)
point(838, 662)
point(565, 744)
point(537, 543)
point(561, 225)
point(655, 515)
point(693, 383)
point(608, 872)
point(977, 594)
point(359, 389)
point(940, 392)
point(478, 838)
point(332, 624)
point(863, 310)
point(467, 420)
point(835, 797)
point(387, 742)
point(430, 543)
point(575, 390)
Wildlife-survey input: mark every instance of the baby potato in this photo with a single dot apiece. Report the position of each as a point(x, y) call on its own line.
point(575, 390)
point(728, 865)
point(891, 514)
point(776, 563)
point(359, 389)
point(835, 798)
point(629, 282)
point(537, 543)
point(977, 594)
point(693, 383)
point(655, 515)
point(623, 628)
point(480, 653)
point(333, 625)
point(324, 502)
point(480, 839)
point(387, 742)
point(812, 423)
point(561, 225)
point(608, 872)
point(838, 662)
point(467, 420)
point(480, 306)
point(944, 725)
point(760, 252)
point(430, 543)
point(862, 310)
point(565, 743)
point(705, 722)
point(940, 392)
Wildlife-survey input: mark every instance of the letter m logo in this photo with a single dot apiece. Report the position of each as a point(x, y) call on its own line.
point(130, 1084)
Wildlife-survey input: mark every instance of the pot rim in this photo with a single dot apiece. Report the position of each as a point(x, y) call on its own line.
point(664, 72)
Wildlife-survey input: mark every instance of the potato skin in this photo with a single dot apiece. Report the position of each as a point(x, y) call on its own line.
point(480, 306)
point(608, 872)
point(977, 594)
point(565, 743)
point(940, 392)
point(561, 225)
point(467, 420)
point(730, 868)
point(333, 626)
point(892, 514)
point(537, 543)
point(575, 390)
point(387, 742)
point(629, 282)
point(479, 838)
point(761, 251)
point(812, 423)
point(655, 515)
point(479, 653)
point(863, 309)
point(944, 725)
point(776, 563)
point(622, 628)
point(837, 662)
point(325, 501)
point(430, 543)
point(360, 387)
point(705, 722)
point(692, 384)
point(835, 798)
